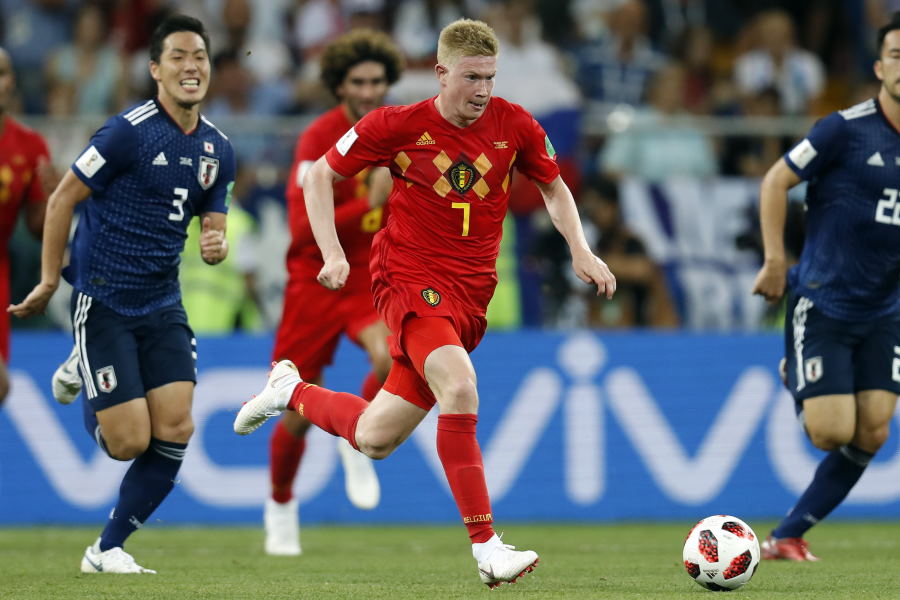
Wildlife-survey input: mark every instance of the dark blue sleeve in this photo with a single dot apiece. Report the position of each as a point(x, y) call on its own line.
point(110, 151)
point(822, 145)
point(218, 197)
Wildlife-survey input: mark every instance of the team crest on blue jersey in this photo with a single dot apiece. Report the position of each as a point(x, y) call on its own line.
point(206, 175)
point(106, 379)
point(812, 368)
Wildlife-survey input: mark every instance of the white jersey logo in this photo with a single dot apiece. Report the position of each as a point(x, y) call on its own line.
point(875, 160)
point(90, 162)
point(802, 153)
point(347, 140)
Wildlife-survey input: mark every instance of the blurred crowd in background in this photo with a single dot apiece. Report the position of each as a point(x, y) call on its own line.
point(628, 90)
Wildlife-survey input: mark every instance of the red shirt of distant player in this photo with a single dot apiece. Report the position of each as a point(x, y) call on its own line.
point(350, 200)
point(305, 336)
point(437, 254)
point(21, 151)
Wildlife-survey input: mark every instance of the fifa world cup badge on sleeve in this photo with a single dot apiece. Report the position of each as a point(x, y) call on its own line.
point(90, 161)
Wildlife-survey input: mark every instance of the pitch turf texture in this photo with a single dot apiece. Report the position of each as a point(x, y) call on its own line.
point(859, 561)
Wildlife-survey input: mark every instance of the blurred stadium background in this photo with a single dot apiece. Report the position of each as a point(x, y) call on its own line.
point(662, 404)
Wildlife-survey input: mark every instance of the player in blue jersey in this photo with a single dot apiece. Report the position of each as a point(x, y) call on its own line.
point(842, 330)
point(144, 175)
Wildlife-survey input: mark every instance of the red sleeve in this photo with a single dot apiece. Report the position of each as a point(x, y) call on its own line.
point(36, 194)
point(536, 157)
point(366, 144)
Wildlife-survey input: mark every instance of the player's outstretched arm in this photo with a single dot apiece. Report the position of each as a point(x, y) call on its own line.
point(588, 267)
point(57, 222)
point(213, 244)
point(318, 194)
point(771, 279)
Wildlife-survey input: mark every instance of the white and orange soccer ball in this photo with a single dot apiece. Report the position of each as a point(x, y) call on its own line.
point(721, 553)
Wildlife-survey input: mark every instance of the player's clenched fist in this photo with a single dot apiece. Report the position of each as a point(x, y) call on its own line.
point(771, 280)
point(334, 273)
point(213, 245)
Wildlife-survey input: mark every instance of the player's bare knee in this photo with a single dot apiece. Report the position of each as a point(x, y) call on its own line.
point(127, 448)
point(871, 440)
point(459, 396)
point(829, 439)
point(179, 432)
point(377, 444)
point(4, 390)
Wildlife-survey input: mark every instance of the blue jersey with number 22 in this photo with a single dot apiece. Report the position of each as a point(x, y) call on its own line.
point(850, 266)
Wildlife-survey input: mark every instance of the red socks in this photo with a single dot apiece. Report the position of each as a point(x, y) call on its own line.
point(285, 452)
point(335, 412)
point(461, 457)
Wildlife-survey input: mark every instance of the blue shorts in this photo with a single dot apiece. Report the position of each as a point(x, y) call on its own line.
point(828, 356)
point(121, 358)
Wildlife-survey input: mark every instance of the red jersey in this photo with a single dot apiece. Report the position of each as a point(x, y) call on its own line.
point(21, 151)
point(356, 225)
point(451, 189)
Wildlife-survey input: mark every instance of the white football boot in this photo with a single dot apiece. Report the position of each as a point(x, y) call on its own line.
point(66, 381)
point(271, 401)
point(114, 560)
point(360, 478)
point(500, 563)
point(282, 528)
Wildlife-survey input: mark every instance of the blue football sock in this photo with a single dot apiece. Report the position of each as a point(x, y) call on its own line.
point(835, 477)
point(146, 484)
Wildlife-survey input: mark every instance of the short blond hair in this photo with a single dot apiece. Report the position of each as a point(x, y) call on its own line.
point(465, 37)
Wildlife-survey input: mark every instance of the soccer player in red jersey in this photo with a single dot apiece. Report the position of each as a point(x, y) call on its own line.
point(433, 269)
point(24, 169)
point(358, 68)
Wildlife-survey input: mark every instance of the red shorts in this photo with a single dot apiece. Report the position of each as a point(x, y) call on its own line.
point(421, 335)
point(399, 301)
point(403, 288)
point(313, 320)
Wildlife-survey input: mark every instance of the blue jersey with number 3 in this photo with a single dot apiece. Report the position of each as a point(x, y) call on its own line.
point(148, 178)
point(850, 266)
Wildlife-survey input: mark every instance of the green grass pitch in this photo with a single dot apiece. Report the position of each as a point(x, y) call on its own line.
point(860, 560)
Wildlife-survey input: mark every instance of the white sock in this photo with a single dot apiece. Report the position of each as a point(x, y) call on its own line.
point(483, 551)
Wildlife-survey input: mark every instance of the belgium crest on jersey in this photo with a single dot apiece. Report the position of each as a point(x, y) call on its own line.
point(462, 176)
point(431, 296)
point(206, 174)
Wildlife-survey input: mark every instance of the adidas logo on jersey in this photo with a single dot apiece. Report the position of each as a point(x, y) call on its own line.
point(425, 139)
point(875, 160)
point(160, 159)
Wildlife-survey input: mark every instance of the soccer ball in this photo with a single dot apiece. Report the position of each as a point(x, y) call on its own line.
point(721, 553)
